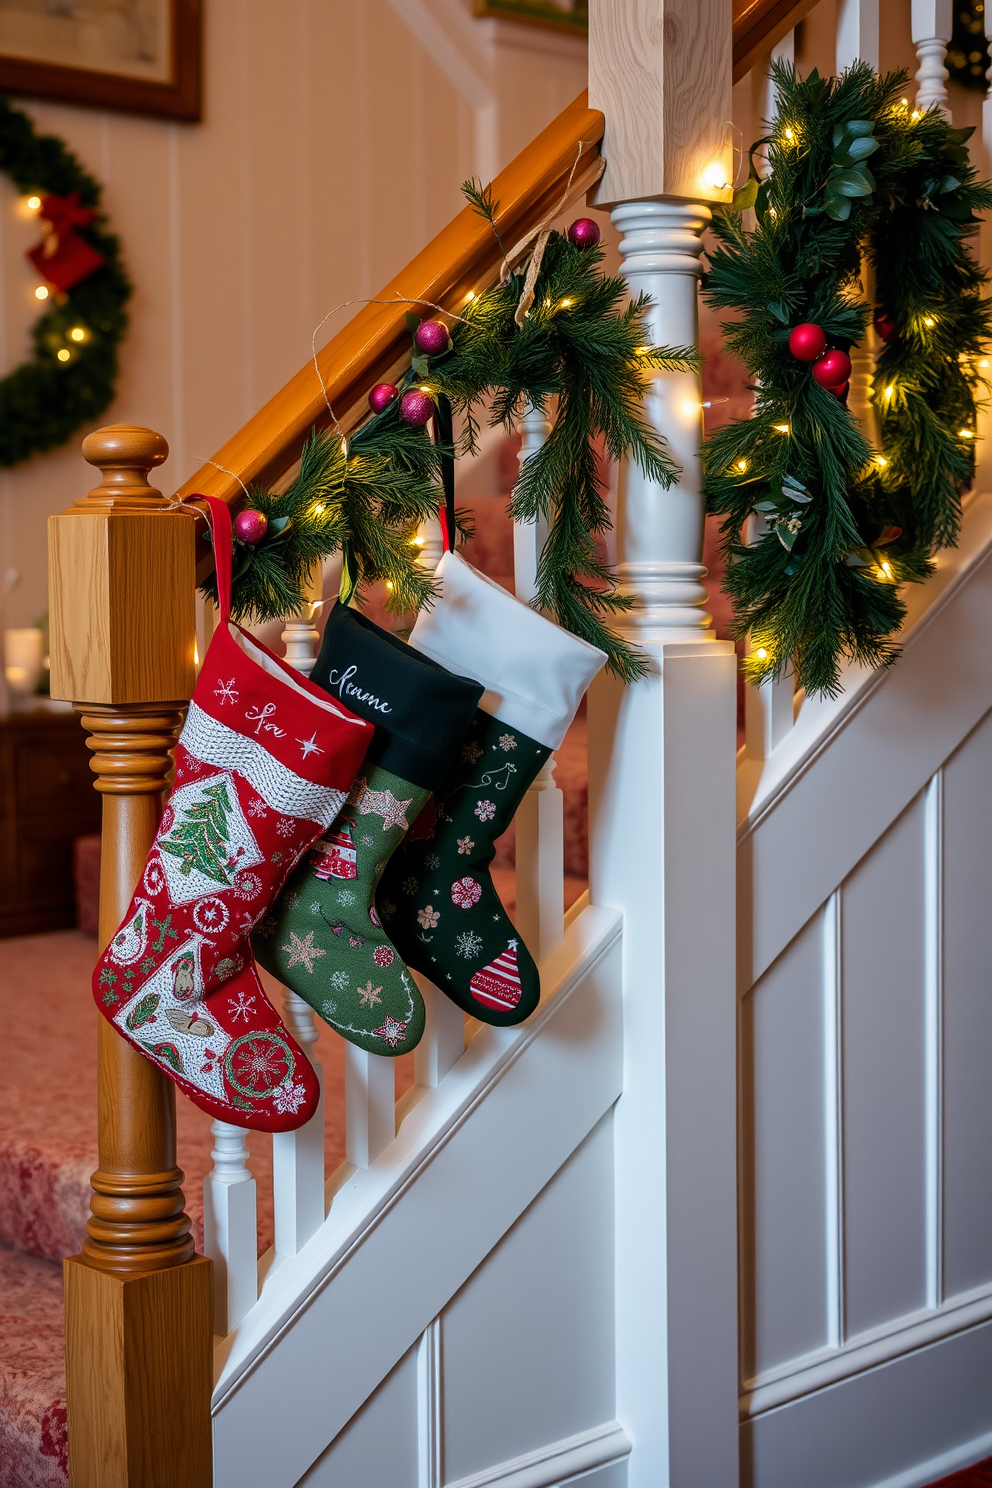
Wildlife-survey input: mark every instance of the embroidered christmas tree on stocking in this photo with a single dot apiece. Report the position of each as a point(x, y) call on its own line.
point(264, 764)
point(324, 938)
point(436, 897)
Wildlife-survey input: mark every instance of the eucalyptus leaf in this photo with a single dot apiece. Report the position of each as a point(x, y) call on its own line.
point(860, 149)
point(746, 195)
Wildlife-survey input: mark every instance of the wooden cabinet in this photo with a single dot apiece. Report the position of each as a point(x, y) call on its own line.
point(46, 799)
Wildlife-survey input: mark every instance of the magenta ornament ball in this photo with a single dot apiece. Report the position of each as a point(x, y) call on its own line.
point(832, 369)
point(807, 342)
point(584, 233)
point(841, 390)
point(382, 395)
point(416, 407)
point(431, 336)
point(250, 527)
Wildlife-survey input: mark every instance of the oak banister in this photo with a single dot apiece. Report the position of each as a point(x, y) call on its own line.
point(759, 25)
point(375, 344)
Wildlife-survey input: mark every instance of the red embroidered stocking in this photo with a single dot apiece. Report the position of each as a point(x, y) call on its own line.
point(264, 764)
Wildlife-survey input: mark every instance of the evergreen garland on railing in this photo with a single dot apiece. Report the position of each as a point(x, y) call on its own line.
point(854, 172)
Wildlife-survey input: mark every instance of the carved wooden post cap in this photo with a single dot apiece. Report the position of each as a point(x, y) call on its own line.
point(124, 453)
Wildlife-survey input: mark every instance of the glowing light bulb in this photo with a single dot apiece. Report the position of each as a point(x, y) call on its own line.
point(929, 321)
point(196, 654)
point(789, 134)
point(781, 428)
point(418, 541)
point(888, 392)
point(77, 333)
point(887, 570)
point(915, 115)
point(761, 654)
point(742, 466)
point(714, 176)
point(470, 296)
point(318, 509)
point(966, 434)
point(772, 212)
point(41, 293)
point(63, 355)
point(563, 304)
point(424, 388)
point(904, 103)
point(881, 461)
point(984, 362)
point(389, 583)
point(34, 202)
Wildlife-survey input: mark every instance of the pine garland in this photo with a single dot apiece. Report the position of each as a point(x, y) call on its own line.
point(846, 525)
point(44, 400)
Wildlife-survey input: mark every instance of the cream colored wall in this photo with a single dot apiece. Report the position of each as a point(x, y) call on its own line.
point(334, 139)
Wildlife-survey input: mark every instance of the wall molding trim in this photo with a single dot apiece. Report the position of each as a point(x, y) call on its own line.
point(558, 1462)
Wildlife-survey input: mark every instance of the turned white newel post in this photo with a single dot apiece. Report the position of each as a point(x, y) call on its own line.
point(661, 782)
point(230, 1229)
point(540, 819)
point(932, 22)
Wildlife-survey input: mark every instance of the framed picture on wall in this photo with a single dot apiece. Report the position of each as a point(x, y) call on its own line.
point(142, 56)
point(562, 15)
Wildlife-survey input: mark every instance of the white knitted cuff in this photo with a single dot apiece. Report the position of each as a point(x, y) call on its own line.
point(535, 674)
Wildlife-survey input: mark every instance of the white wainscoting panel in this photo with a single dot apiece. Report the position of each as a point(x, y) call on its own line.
point(967, 1024)
point(528, 1341)
point(378, 1447)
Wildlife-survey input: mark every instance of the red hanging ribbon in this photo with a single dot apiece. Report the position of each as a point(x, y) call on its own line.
point(64, 257)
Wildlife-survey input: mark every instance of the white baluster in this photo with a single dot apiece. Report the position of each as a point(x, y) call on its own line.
point(299, 635)
point(370, 1105)
point(769, 706)
point(662, 825)
point(443, 1043)
point(230, 1230)
point(857, 33)
point(782, 51)
point(428, 540)
point(932, 25)
point(298, 1156)
point(540, 817)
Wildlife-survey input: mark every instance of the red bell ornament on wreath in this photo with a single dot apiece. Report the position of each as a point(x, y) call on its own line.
point(807, 342)
point(832, 369)
point(64, 257)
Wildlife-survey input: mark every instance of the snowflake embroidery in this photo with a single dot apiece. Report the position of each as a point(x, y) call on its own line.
point(427, 917)
point(328, 1007)
point(249, 885)
point(368, 841)
point(468, 944)
point(286, 827)
point(368, 995)
point(242, 1006)
point(466, 892)
point(276, 859)
point(471, 753)
point(506, 742)
point(302, 952)
point(465, 845)
point(315, 907)
point(410, 885)
point(432, 861)
point(226, 968)
point(289, 1097)
point(210, 915)
point(340, 980)
point(154, 879)
point(227, 692)
point(346, 896)
point(258, 808)
point(383, 956)
point(485, 811)
point(291, 900)
point(391, 1031)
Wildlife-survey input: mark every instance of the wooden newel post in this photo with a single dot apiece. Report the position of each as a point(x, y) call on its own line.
point(138, 1309)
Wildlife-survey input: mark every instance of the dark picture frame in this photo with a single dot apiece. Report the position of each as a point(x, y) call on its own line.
point(179, 98)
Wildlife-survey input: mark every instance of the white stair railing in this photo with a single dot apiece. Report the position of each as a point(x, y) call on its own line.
point(932, 22)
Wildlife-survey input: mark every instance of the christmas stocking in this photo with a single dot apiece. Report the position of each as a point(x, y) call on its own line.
point(324, 938)
point(436, 897)
point(264, 764)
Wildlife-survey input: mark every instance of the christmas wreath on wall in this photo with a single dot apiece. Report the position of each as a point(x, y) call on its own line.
point(857, 178)
point(69, 378)
point(555, 333)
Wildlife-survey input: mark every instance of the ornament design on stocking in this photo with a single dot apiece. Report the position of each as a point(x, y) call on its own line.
point(263, 766)
point(437, 897)
point(324, 938)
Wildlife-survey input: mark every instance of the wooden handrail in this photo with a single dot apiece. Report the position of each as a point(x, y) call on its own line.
point(759, 25)
point(374, 345)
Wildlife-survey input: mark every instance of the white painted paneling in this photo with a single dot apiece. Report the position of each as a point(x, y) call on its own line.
point(528, 1341)
point(378, 1447)
point(882, 960)
point(784, 1202)
point(967, 1030)
point(884, 1428)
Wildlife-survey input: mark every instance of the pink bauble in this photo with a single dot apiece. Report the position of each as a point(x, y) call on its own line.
point(382, 395)
point(250, 527)
point(416, 407)
point(840, 391)
point(807, 342)
point(886, 327)
point(431, 336)
point(833, 368)
point(584, 233)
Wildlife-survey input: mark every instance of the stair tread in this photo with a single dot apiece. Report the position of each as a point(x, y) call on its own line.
point(32, 1373)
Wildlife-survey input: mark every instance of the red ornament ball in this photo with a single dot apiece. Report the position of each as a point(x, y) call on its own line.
point(886, 327)
point(431, 336)
point(584, 233)
point(416, 407)
point(382, 395)
point(841, 391)
point(807, 342)
point(250, 527)
point(832, 369)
